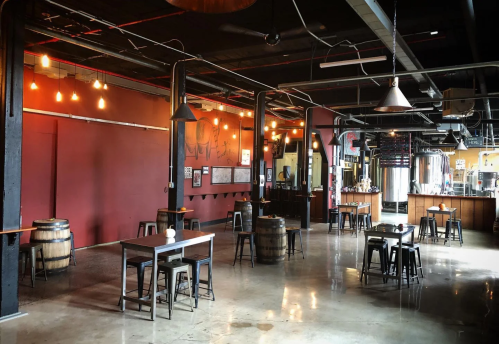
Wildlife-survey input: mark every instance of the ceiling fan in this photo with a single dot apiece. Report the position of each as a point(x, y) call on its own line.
point(273, 37)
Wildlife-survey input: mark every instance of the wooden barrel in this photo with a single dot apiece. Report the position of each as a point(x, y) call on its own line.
point(270, 240)
point(247, 214)
point(55, 235)
point(162, 220)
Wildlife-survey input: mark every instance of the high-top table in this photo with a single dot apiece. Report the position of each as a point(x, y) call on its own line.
point(155, 244)
point(382, 231)
point(436, 210)
point(356, 207)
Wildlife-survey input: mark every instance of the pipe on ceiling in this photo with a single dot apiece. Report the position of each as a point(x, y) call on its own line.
point(389, 75)
point(469, 19)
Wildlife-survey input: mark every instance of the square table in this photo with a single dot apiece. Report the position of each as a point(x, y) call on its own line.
point(382, 231)
point(436, 210)
point(172, 214)
point(155, 244)
point(356, 207)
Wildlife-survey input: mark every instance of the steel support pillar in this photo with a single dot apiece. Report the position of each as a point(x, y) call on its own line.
point(306, 170)
point(258, 163)
point(11, 78)
point(177, 150)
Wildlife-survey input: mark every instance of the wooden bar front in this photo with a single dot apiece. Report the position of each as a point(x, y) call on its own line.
point(476, 213)
point(365, 197)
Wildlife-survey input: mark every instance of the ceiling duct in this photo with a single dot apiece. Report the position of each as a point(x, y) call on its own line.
point(212, 6)
point(374, 16)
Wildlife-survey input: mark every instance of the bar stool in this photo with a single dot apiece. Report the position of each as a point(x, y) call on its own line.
point(140, 263)
point(455, 224)
point(381, 246)
point(415, 246)
point(365, 221)
point(29, 251)
point(192, 222)
point(351, 219)
point(171, 270)
point(196, 261)
point(333, 214)
point(241, 237)
point(291, 234)
point(233, 215)
point(147, 226)
point(170, 256)
point(423, 229)
point(72, 252)
point(408, 261)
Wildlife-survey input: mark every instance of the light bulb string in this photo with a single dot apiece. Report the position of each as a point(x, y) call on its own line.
point(394, 34)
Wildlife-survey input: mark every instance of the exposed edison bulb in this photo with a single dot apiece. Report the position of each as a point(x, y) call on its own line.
point(226, 126)
point(233, 136)
point(273, 133)
point(302, 124)
point(97, 84)
point(266, 148)
point(33, 86)
point(273, 138)
point(105, 86)
point(274, 124)
point(102, 103)
point(266, 128)
point(241, 114)
point(45, 61)
point(74, 96)
point(215, 121)
point(221, 107)
point(392, 133)
point(315, 145)
point(287, 139)
point(295, 131)
point(58, 97)
point(249, 113)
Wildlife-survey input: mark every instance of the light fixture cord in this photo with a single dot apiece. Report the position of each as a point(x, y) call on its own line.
point(394, 33)
point(59, 76)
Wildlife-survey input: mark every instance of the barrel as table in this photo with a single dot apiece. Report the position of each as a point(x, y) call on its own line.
point(247, 214)
point(55, 236)
point(270, 240)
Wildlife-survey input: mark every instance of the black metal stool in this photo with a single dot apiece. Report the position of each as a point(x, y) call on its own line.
point(72, 252)
point(29, 251)
point(364, 221)
point(423, 229)
point(415, 246)
point(380, 245)
point(455, 224)
point(291, 234)
point(408, 262)
point(333, 214)
point(192, 222)
point(171, 270)
point(140, 263)
point(351, 219)
point(233, 214)
point(196, 261)
point(241, 237)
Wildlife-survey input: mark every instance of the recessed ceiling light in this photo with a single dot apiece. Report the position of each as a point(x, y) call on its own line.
point(434, 33)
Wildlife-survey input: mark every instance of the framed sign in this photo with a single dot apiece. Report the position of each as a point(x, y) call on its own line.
point(242, 175)
point(206, 170)
point(187, 172)
point(245, 156)
point(269, 174)
point(262, 180)
point(475, 141)
point(221, 175)
point(197, 178)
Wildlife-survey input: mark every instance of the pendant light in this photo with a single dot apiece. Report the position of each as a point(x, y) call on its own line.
point(295, 131)
point(394, 100)
point(105, 83)
point(74, 96)
point(273, 124)
point(365, 147)
point(461, 146)
point(45, 61)
point(241, 114)
point(315, 145)
point(334, 141)
point(450, 138)
point(302, 124)
point(102, 103)
point(183, 112)
point(97, 84)
point(266, 128)
point(215, 121)
point(58, 96)
point(33, 84)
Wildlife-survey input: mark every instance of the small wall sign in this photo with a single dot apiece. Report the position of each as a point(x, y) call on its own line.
point(188, 172)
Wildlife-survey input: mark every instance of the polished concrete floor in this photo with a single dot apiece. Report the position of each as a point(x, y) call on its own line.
point(318, 299)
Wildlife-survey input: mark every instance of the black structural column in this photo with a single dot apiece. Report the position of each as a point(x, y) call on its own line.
point(258, 165)
point(306, 167)
point(11, 76)
point(177, 158)
point(362, 160)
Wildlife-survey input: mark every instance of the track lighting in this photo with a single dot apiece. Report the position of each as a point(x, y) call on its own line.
point(45, 61)
point(102, 103)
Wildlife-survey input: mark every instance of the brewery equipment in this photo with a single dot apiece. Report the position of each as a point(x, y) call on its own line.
point(428, 171)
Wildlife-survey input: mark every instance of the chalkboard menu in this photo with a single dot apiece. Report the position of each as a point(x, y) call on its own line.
point(475, 141)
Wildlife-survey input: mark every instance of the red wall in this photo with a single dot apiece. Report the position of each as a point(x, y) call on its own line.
point(106, 178)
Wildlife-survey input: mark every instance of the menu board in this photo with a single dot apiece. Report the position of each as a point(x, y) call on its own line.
point(475, 141)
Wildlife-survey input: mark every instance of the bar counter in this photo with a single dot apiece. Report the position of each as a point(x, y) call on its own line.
point(366, 197)
point(476, 213)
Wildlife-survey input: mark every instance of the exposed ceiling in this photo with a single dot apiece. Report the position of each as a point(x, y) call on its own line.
point(295, 58)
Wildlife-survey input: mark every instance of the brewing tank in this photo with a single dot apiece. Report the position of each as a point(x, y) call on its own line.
point(375, 172)
point(395, 184)
point(428, 171)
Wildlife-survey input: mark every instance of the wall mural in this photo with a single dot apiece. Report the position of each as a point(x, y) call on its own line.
point(349, 148)
point(202, 138)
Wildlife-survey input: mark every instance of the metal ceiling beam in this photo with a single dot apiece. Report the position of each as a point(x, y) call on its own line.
point(389, 75)
point(374, 16)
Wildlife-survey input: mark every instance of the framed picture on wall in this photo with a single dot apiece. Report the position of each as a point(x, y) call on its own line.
point(206, 170)
point(269, 174)
point(197, 177)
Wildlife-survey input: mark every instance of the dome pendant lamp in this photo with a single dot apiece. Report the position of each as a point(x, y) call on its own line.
point(450, 138)
point(394, 100)
point(334, 141)
point(183, 112)
point(461, 146)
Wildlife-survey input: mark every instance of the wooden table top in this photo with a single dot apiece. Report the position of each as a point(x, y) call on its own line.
point(436, 210)
point(17, 230)
point(306, 196)
point(166, 210)
point(160, 240)
point(260, 201)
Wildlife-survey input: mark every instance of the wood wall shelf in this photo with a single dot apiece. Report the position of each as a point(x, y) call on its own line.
point(215, 195)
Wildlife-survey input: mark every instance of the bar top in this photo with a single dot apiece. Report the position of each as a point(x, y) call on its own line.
point(448, 196)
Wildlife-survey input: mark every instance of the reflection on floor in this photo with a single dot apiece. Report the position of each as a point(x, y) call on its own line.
point(318, 299)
